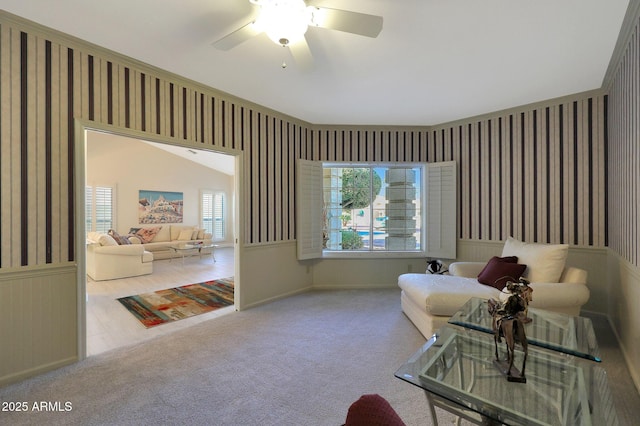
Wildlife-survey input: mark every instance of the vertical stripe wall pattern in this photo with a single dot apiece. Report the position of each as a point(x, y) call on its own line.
point(537, 173)
point(624, 151)
point(46, 81)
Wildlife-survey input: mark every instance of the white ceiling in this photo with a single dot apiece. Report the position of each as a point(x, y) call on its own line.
point(434, 61)
point(219, 162)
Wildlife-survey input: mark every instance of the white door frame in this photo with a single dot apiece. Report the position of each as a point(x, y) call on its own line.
point(80, 163)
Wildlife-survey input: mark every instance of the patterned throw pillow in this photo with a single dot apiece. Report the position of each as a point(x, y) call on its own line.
point(133, 231)
point(121, 240)
point(146, 235)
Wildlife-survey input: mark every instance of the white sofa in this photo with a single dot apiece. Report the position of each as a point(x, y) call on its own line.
point(429, 300)
point(107, 261)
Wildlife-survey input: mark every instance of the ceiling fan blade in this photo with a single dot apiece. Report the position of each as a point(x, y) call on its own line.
point(350, 22)
point(238, 36)
point(302, 54)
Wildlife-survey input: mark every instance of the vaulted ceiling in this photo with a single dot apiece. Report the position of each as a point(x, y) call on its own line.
point(434, 61)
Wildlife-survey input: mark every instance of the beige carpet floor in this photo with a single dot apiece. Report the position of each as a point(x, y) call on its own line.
point(297, 361)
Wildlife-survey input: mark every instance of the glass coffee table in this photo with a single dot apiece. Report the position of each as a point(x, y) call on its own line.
point(187, 249)
point(455, 369)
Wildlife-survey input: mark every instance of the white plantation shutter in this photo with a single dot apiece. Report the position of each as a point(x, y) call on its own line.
point(88, 208)
point(440, 213)
point(206, 211)
point(212, 213)
point(104, 208)
point(99, 208)
point(441, 210)
point(218, 216)
point(309, 209)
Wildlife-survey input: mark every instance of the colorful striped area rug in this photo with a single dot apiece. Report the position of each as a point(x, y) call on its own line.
point(163, 306)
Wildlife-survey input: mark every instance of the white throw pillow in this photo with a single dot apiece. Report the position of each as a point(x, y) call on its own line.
point(545, 262)
point(185, 235)
point(135, 240)
point(107, 240)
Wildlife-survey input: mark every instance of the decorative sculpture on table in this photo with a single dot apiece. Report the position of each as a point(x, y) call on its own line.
point(508, 322)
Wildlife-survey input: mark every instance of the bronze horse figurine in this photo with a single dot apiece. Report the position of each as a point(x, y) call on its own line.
point(508, 324)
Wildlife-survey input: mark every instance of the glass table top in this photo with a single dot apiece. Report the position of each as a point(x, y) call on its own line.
point(192, 246)
point(457, 366)
point(551, 330)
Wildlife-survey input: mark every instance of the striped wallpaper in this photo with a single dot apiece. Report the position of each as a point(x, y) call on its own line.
point(45, 83)
point(624, 148)
point(537, 173)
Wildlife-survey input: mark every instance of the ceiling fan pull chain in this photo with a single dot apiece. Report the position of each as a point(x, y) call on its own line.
point(284, 45)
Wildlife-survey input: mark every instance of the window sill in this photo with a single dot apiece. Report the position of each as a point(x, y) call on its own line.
point(330, 254)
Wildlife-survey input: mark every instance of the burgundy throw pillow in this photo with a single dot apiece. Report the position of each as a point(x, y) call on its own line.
point(372, 410)
point(507, 259)
point(494, 259)
point(500, 270)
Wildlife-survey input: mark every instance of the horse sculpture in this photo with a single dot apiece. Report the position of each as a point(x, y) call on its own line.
point(508, 323)
point(522, 289)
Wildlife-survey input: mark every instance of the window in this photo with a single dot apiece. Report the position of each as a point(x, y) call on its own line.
point(376, 209)
point(212, 213)
point(99, 202)
point(371, 208)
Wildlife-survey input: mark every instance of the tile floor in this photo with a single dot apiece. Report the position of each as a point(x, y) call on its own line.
point(110, 325)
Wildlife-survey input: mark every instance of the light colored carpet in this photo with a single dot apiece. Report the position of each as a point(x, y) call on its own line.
point(297, 361)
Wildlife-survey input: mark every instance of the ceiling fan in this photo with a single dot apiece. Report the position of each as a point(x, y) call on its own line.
point(287, 21)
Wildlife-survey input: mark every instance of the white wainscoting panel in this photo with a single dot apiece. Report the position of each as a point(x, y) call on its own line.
point(40, 323)
point(623, 309)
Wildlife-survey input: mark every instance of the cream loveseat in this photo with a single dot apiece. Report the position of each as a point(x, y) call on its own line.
point(429, 300)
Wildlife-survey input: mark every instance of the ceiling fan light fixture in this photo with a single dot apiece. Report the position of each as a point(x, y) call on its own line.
point(284, 21)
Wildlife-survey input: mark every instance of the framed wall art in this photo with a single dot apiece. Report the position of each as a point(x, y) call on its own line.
point(159, 207)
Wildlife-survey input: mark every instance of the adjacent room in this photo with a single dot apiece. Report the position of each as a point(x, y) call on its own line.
point(122, 171)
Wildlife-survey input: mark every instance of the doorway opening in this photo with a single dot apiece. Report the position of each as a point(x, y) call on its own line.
point(127, 165)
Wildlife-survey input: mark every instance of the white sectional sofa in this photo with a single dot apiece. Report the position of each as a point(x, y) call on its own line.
point(429, 300)
point(167, 236)
point(112, 256)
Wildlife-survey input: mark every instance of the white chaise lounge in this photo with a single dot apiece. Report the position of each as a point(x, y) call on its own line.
point(429, 300)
